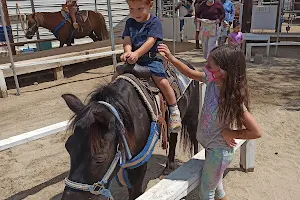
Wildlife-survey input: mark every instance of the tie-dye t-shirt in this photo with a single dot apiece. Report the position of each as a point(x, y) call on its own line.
point(209, 133)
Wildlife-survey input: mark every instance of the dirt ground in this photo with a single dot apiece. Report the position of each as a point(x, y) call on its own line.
point(36, 170)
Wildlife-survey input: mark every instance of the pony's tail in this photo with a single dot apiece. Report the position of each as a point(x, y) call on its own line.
point(185, 138)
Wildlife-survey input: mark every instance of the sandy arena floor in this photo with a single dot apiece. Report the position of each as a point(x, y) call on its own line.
point(36, 170)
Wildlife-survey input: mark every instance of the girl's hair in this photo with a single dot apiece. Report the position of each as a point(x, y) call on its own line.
point(234, 91)
point(236, 23)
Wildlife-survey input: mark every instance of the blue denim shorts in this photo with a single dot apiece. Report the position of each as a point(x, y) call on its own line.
point(155, 65)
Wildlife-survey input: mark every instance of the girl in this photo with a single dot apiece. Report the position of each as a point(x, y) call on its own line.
point(236, 38)
point(225, 115)
point(141, 35)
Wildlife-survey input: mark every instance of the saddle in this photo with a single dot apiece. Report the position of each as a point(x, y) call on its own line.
point(140, 77)
point(81, 17)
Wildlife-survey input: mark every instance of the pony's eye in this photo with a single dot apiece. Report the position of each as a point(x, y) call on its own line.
point(99, 159)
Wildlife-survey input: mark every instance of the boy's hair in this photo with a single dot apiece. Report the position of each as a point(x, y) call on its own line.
point(148, 2)
point(191, 1)
point(236, 23)
point(234, 91)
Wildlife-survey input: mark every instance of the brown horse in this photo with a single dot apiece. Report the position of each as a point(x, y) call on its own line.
point(61, 26)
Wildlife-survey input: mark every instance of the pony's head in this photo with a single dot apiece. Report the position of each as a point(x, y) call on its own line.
point(32, 26)
point(95, 139)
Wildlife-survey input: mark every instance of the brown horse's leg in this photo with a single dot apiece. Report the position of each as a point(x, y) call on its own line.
point(136, 177)
point(61, 44)
point(93, 36)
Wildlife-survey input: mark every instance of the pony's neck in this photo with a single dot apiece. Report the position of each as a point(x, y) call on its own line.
point(47, 19)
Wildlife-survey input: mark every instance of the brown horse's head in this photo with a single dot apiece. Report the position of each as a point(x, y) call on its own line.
point(93, 144)
point(32, 26)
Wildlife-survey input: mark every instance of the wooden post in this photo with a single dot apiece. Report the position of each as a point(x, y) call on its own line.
point(247, 156)
point(58, 73)
point(3, 87)
point(7, 20)
point(247, 16)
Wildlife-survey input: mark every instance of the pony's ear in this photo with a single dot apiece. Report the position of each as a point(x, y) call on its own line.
point(73, 102)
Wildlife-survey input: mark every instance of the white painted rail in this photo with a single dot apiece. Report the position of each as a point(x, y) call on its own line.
point(32, 135)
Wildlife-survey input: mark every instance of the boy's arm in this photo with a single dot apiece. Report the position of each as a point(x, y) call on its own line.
point(145, 47)
point(127, 44)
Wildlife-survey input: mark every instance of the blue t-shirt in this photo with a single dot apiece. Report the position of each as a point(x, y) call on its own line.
point(139, 32)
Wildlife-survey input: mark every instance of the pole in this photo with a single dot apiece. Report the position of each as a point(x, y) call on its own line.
point(12, 66)
point(174, 34)
point(96, 9)
point(7, 22)
point(112, 37)
point(278, 26)
point(17, 24)
point(37, 33)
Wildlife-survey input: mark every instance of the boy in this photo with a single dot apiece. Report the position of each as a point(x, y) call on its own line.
point(73, 8)
point(141, 35)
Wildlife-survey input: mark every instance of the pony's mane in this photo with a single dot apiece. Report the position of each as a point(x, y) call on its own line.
point(110, 94)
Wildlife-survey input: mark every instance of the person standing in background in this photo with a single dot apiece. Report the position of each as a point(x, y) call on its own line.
point(187, 11)
point(211, 14)
point(229, 11)
point(197, 23)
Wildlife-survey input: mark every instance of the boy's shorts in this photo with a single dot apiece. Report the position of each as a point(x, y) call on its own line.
point(155, 65)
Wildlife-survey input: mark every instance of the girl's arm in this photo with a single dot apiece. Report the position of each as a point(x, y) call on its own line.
point(252, 129)
point(183, 68)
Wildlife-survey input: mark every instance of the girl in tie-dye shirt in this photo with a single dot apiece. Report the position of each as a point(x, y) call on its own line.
point(225, 115)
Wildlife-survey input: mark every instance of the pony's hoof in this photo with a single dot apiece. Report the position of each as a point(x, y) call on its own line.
point(168, 169)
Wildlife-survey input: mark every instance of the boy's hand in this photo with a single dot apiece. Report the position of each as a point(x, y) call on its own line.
point(165, 51)
point(132, 59)
point(227, 136)
point(124, 56)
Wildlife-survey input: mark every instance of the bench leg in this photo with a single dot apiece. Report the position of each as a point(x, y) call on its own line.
point(247, 156)
point(58, 73)
point(268, 49)
point(3, 87)
point(248, 52)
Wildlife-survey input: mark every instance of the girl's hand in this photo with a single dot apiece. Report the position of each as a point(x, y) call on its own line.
point(226, 133)
point(165, 51)
point(124, 56)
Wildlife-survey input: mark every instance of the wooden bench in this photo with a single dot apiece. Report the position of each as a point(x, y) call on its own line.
point(52, 62)
point(250, 45)
point(187, 177)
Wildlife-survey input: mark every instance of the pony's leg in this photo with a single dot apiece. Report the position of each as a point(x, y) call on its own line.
point(170, 166)
point(136, 178)
point(93, 36)
point(192, 125)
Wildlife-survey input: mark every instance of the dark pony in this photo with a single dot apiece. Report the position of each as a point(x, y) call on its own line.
point(95, 138)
